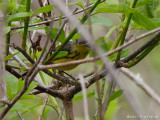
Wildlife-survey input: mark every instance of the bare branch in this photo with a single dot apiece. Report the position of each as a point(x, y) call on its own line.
point(44, 106)
point(61, 114)
point(85, 103)
point(19, 114)
point(139, 81)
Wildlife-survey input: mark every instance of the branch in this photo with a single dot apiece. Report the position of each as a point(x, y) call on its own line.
point(68, 106)
point(26, 23)
point(42, 67)
point(139, 81)
point(29, 78)
point(55, 19)
point(85, 102)
point(145, 49)
point(44, 106)
point(19, 114)
point(3, 93)
point(141, 49)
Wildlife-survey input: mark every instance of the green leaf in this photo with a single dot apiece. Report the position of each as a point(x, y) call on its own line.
point(112, 109)
point(24, 97)
point(101, 43)
point(76, 36)
point(61, 54)
point(54, 31)
point(12, 85)
point(10, 56)
point(20, 85)
point(24, 107)
point(18, 16)
point(115, 95)
point(79, 96)
point(12, 6)
point(143, 21)
point(112, 30)
point(112, 2)
point(121, 8)
point(156, 21)
point(109, 44)
point(143, 2)
point(124, 53)
point(25, 60)
point(80, 4)
point(46, 9)
point(101, 20)
point(22, 6)
point(32, 86)
point(34, 20)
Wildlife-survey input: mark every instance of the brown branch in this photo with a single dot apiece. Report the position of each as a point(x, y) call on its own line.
point(55, 93)
point(75, 89)
point(68, 106)
point(24, 53)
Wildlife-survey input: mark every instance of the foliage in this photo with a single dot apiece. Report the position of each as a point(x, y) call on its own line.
point(132, 14)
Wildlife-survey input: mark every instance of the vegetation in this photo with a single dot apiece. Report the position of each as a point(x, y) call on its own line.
point(30, 83)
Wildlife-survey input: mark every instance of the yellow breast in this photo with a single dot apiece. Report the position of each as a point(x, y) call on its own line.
point(77, 53)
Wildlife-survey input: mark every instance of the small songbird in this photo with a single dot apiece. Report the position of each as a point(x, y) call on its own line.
point(76, 49)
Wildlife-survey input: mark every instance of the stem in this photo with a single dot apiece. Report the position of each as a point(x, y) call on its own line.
point(121, 37)
point(106, 101)
point(68, 106)
point(26, 23)
point(8, 40)
point(71, 35)
point(145, 53)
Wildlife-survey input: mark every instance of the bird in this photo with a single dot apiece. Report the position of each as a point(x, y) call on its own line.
point(76, 50)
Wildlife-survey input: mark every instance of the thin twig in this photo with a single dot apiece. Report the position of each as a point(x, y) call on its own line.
point(137, 107)
point(61, 114)
point(44, 106)
point(142, 48)
point(139, 81)
point(19, 114)
point(106, 54)
point(56, 76)
point(55, 39)
point(29, 78)
point(55, 19)
point(106, 101)
point(85, 103)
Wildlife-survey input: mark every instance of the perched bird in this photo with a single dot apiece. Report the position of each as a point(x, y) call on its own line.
point(76, 49)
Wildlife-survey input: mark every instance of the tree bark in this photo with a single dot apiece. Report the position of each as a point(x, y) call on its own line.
point(68, 106)
point(3, 95)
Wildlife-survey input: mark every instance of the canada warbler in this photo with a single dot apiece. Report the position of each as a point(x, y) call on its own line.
point(76, 49)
